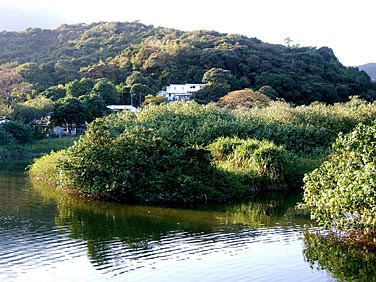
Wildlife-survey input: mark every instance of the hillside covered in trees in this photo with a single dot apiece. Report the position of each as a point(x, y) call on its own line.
point(142, 59)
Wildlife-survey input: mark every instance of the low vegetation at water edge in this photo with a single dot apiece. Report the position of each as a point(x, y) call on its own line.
point(191, 153)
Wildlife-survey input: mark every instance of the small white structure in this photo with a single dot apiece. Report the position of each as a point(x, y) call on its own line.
point(120, 108)
point(3, 120)
point(180, 92)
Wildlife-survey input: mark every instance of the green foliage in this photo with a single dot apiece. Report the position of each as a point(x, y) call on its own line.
point(69, 111)
point(95, 106)
point(342, 191)
point(46, 170)
point(6, 138)
point(135, 164)
point(32, 109)
point(188, 123)
point(186, 152)
point(210, 93)
point(77, 88)
point(106, 90)
point(13, 132)
point(154, 100)
point(54, 93)
point(269, 92)
point(304, 129)
point(258, 164)
point(65, 71)
point(155, 57)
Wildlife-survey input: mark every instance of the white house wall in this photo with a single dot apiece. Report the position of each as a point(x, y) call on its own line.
point(180, 91)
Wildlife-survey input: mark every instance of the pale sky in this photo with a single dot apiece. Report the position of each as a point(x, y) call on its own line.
point(346, 26)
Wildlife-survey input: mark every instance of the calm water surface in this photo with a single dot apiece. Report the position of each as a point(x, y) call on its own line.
point(50, 237)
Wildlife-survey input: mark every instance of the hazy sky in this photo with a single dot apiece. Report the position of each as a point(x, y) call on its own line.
point(348, 27)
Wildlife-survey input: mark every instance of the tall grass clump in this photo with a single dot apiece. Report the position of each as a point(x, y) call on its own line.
point(259, 164)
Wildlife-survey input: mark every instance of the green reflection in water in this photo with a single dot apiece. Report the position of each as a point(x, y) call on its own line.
point(346, 262)
point(139, 227)
point(20, 205)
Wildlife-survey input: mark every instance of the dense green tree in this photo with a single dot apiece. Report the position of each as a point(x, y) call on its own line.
point(95, 106)
point(218, 76)
point(68, 112)
point(65, 71)
point(106, 90)
point(218, 82)
point(341, 192)
point(28, 71)
point(210, 93)
point(136, 77)
point(124, 95)
point(54, 92)
point(138, 93)
point(33, 109)
point(15, 133)
point(77, 88)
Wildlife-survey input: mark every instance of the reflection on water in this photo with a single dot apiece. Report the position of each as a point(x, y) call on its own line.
point(49, 236)
point(345, 262)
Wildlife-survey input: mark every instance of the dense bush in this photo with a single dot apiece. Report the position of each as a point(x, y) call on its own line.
point(304, 129)
point(5, 137)
point(186, 152)
point(135, 164)
point(45, 169)
point(13, 132)
point(188, 123)
point(342, 191)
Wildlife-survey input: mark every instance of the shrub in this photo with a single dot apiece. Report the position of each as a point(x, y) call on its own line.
point(244, 98)
point(136, 164)
point(188, 123)
point(342, 191)
point(304, 129)
point(46, 170)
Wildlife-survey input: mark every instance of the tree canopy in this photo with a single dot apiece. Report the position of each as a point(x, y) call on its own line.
point(132, 53)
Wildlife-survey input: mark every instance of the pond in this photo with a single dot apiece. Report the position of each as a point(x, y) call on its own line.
point(46, 236)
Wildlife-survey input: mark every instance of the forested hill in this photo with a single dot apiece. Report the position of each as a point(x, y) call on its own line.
point(153, 57)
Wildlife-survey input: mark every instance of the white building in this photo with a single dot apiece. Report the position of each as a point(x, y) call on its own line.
point(3, 120)
point(120, 108)
point(180, 92)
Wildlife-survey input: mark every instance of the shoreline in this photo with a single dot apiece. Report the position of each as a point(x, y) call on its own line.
point(19, 155)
